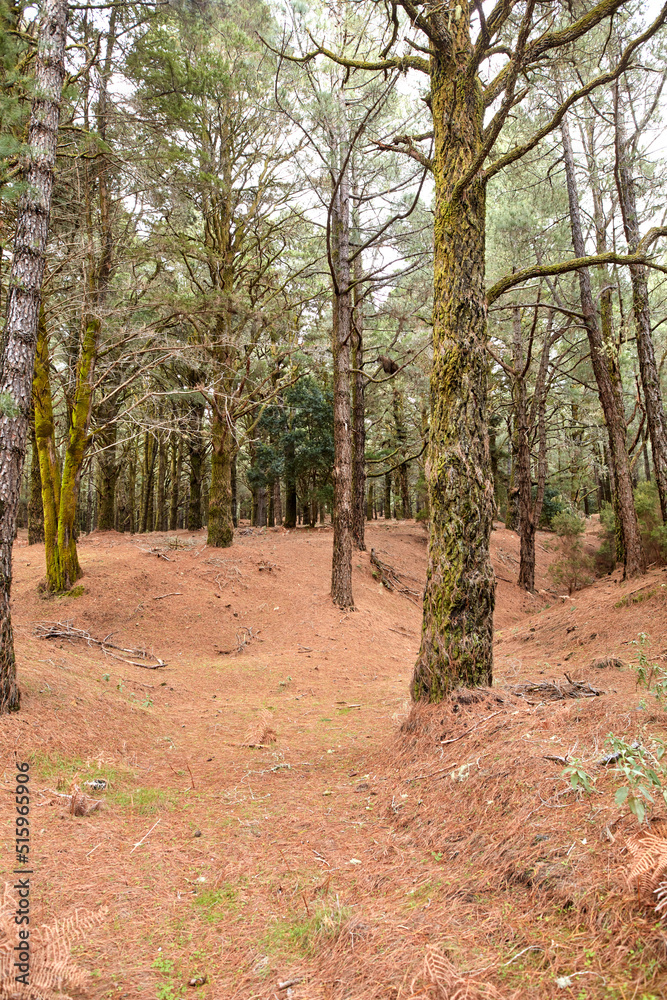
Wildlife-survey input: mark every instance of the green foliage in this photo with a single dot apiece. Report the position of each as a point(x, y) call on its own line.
point(8, 407)
point(296, 437)
point(653, 531)
point(574, 567)
point(649, 675)
point(578, 777)
point(552, 505)
point(641, 772)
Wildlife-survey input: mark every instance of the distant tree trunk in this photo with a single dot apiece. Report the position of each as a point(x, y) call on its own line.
point(511, 508)
point(290, 484)
point(648, 369)
point(529, 511)
point(235, 503)
point(341, 567)
point(196, 455)
point(271, 519)
point(387, 495)
point(175, 460)
point(358, 413)
point(161, 513)
point(370, 501)
point(277, 503)
point(147, 483)
point(603, 362)
point(23, 302)
point(108, 467)
point(35, 506)
point(132, 486)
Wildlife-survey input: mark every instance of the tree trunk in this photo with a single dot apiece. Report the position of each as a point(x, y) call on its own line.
point(341, 567)
point(602, 359)
point(648, 369)
point(146, 517)
point(358, 414)
point(107, 472)
point(457, 630)
point(132, 487)
point(370, 501)
point(176, 453)
point(23, 301)
point(35, 506)
point(220, 511)
point(48, 458)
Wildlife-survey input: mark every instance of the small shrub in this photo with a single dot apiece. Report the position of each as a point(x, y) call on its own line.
point(605, 557)
point(553, 504)
point(574, 568)
point(641, 772)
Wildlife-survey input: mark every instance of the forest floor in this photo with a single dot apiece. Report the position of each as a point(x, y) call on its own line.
point(277, 823)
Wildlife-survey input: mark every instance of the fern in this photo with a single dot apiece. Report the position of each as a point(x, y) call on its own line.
point(52, 970)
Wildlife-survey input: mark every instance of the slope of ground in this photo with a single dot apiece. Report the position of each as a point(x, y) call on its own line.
point(266, 819)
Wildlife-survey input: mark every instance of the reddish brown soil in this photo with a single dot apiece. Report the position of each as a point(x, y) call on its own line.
point(340, 853)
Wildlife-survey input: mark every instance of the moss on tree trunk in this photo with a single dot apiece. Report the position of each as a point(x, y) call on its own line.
point(457, 629)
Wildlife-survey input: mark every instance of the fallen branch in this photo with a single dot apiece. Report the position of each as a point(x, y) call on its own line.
point(391, 579)
point(66, 630)
point(554, 691)
point(176, 593)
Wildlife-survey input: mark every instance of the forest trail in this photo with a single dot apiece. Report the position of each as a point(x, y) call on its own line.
point(334, 855)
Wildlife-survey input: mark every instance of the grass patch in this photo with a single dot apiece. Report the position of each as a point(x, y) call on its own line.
point(61, 771)
point(306, 935)
point(144, 801)
point(215, 904)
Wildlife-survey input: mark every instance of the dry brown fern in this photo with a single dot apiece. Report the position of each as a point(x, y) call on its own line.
point(260, 732)
point(649, 863)
point(52, 971)
point(455, 985)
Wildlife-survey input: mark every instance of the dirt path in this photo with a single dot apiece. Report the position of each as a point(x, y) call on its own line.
point(314, 858)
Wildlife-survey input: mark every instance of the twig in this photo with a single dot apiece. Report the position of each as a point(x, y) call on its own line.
point(472, 729)
point(140, 842)
point(176, 593)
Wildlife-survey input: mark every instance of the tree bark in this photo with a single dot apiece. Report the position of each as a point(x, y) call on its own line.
point(648, 369)
point(457, 630)
point(602, 359)
point(358, 414)
point(341, 566)
point(23, 302)
point(220, 511)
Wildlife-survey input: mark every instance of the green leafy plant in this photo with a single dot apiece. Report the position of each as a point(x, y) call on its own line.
point(649, 675)
point(579, 778)
point(642, 774)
